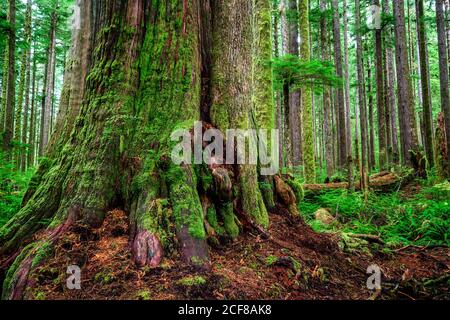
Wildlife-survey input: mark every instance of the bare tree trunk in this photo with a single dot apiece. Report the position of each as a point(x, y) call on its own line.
point(372, 161)
point(381, 111)
point(327, 109)
point(295, 108)
point(408, 125)
point(23, 156)
point(32, 135)
point(390, 92)
point(425, 83)
point(443, 72)
point(347, 82)
point(306, 97)
point(46, 125)
point(11, 87)
point(342, 131)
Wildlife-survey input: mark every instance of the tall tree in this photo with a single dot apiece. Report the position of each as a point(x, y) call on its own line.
point(327, 109)
point(306, 96)
point(425, 82)
point(340, 103)
point(294, 108)
point(443, 71)
point(50, 82)
point(33, 112)
point(391, 105)
point(407, 119)
point(364, 168)
point(11, 86)
point(347, 80)
point(381, 111)
point(21, 125)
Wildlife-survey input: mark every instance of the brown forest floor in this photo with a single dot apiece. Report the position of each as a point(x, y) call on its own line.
point(309, 266)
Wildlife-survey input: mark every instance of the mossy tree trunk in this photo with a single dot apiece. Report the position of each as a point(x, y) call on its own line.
point(145, 70)
point(306, 98)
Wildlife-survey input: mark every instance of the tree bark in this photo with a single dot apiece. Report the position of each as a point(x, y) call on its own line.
point(342, 131)
point(307, 104)
point(364, 167)
point(425, 82)
point(381, 110)
point(407, 119)
point(23, 156)
point(144, 81)
point(327, 109)
point(49, 86)
point(443, 71)
point(11, 86)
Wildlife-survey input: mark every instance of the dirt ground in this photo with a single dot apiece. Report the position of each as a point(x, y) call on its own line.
point(292, 263)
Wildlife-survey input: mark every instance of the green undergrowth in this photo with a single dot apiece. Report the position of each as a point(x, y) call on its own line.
point(417, 217)
point(13, 185)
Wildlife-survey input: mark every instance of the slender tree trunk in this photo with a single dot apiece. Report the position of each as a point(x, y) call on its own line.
point(23, 156)
point(32, 135)
point(447, 9)
point(295, 111)
point(279, 105)
point(347, 81)
point(381, 111)
point(390, 92)
point(327, 109)
point(4, 89)
point(425, 82)
point(10, 95)
point(306, 96)
point(364, 168)
point(342, 131)
point(372, 161)
point(47, 111)
point(443, 72)
point(408, 125)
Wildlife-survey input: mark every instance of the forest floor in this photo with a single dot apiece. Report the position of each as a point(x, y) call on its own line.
point(293, 263)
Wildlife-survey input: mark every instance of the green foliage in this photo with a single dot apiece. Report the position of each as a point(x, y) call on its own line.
point(290, 70)
point(13, 185)
point(421, 219)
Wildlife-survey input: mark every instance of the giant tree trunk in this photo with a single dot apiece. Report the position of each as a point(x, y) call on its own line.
point(145, 79)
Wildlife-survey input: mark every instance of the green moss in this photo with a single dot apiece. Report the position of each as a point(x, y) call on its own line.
point(186, 206)
point(43, 251)
point(211, 217)
point(104, 277)
point(144, 295)
point(271, 260)
point(229, 220)
point(192, 281)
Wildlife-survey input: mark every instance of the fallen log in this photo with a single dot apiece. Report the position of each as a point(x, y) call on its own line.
point(384, 181)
